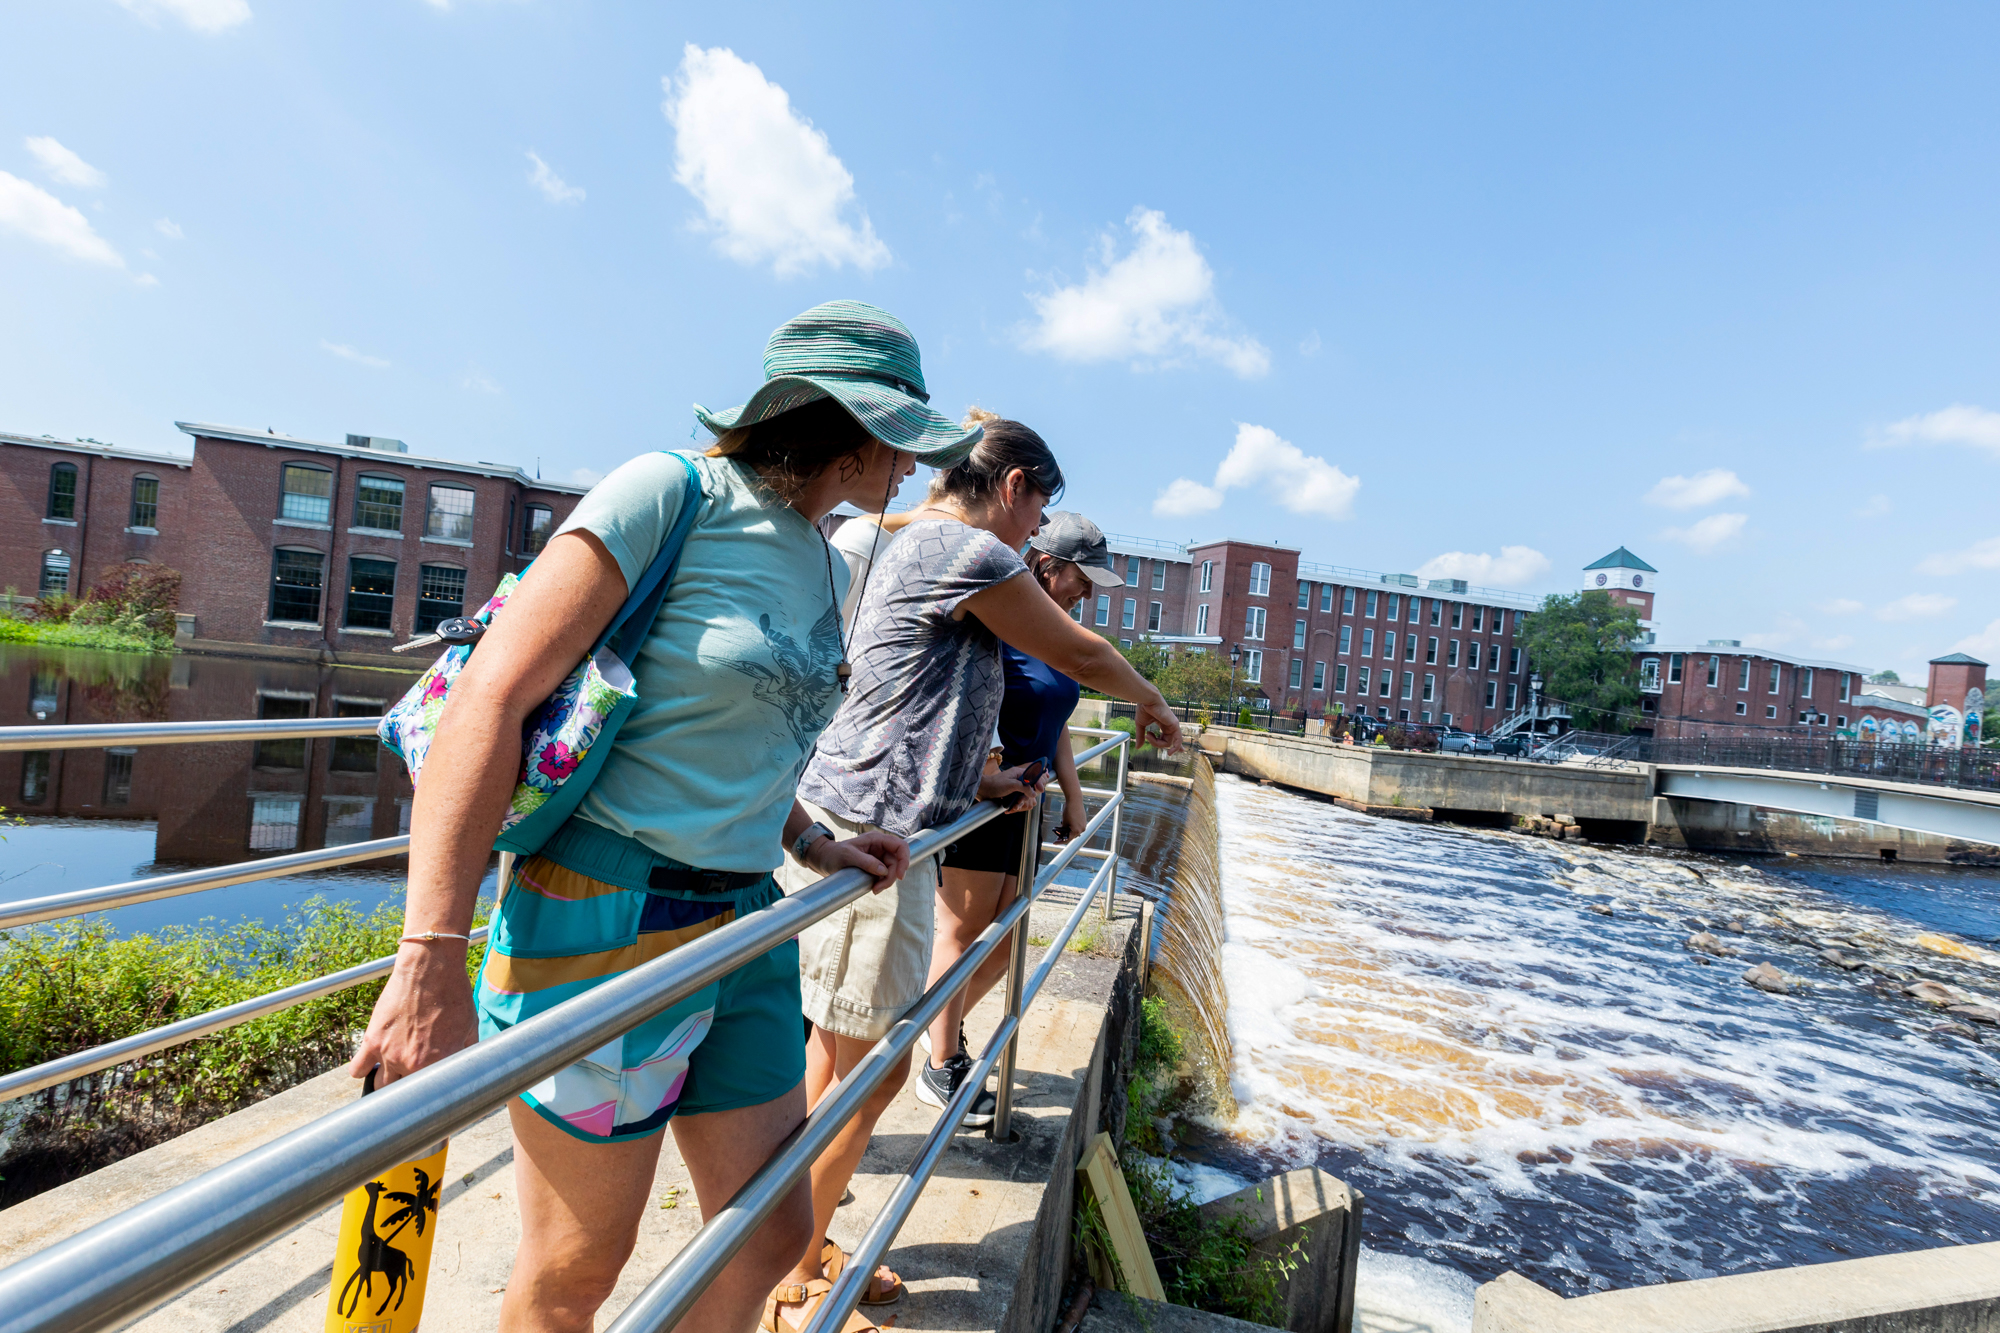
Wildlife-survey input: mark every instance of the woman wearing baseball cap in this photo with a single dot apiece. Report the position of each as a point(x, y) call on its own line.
point(1068, 557)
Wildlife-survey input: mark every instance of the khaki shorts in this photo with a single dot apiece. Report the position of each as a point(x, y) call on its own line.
point(863, 967)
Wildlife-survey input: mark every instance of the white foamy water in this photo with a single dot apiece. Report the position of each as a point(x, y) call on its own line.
point(1518, 1081)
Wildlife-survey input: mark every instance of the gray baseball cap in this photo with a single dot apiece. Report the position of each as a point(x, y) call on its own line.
point(1074, 538)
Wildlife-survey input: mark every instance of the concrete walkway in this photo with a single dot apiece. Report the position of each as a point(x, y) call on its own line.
point(992, 1212)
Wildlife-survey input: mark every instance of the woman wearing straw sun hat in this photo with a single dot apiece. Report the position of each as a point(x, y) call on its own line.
point(682, 826)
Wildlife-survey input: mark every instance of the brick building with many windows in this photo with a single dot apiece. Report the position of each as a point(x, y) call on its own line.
point(287, 547)
point(1323, 638)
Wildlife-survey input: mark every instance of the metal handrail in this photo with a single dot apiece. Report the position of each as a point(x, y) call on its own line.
point(669, 1296)
point(78, 901)
point(87, 736)
point(79, 1063)
point(153, 1251)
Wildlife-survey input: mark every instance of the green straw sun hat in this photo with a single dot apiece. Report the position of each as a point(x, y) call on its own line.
point(863, 357)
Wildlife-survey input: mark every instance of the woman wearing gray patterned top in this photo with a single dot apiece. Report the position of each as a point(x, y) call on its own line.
point(906, 749)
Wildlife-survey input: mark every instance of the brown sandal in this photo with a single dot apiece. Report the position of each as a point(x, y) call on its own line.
point(878, 1292)
point(807, 1296)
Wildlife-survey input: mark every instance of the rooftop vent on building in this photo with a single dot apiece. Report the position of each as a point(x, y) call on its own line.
point(1724, 643)
point(381, 442)
point(1446, 585)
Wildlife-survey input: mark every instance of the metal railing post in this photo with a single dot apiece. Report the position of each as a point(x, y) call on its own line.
point(1117, 827)
point(1017, 973)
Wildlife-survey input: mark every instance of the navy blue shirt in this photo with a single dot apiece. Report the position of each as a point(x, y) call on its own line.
point(1035, 710)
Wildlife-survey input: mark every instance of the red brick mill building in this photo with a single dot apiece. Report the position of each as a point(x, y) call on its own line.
point(288, 547)
point(1324, 638)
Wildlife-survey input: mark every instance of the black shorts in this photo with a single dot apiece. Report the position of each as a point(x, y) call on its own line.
point(993, 846)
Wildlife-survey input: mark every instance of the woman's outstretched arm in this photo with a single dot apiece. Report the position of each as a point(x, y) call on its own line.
point(1026, 618)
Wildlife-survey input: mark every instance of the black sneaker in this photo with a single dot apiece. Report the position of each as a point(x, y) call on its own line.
point(936, 1087)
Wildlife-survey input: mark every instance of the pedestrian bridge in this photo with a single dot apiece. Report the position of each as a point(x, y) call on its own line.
point(1949, 812)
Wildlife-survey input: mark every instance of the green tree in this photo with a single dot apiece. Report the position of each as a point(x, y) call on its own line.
point(1199, 677)
point(1885, 678)
point(1582, 645)
point(1147, 658)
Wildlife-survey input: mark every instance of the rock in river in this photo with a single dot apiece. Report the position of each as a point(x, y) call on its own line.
point(1934, 992)
point(1978, 1013)
point(1703, 942)
point(1767, 978)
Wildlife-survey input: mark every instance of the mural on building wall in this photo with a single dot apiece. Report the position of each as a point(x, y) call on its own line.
point(1947, 725)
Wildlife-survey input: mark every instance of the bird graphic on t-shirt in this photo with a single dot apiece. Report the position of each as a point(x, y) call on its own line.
point(803, 679)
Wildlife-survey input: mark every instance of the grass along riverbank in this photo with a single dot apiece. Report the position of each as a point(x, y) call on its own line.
point(74, 985)
point(131, 609)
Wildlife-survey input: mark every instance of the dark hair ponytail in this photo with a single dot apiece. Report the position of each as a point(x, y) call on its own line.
point(1007, 445)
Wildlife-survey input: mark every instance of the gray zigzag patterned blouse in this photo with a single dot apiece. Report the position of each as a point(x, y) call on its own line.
point(905, 750)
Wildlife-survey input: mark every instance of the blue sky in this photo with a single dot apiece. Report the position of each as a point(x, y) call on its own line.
point(1460, 290)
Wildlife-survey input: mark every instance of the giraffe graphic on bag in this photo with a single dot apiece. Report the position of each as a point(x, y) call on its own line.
point(375, 1255)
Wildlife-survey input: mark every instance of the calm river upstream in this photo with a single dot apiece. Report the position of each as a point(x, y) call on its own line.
point(1504, 1044)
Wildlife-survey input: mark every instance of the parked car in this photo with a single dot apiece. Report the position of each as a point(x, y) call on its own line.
point(1463, 742)
point(1520, 745)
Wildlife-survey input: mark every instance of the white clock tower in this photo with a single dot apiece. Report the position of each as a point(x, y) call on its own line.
point(1627, 580)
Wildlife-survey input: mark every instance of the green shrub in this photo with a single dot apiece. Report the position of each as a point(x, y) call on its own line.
point(1203, 1263)
point(130, 610)
point(73, 985)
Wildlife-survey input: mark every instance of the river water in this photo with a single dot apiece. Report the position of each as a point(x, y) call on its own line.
point(104, 816)
point(1504, 1044)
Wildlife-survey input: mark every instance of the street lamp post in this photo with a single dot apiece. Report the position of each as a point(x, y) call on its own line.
point(1235, 705)
point(1534, 701)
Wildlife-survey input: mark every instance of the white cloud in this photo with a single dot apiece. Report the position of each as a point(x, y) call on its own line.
point(64, 167)
point(585, 476)
point(346, 353)
point(553, 187)
point(1841, 606)
point(479, 381)
point(1293, 479)
point(1514, 565)
point(1154, 306)
point(201, 15)
point(1310, 344)
point(1703, 488)
point(1985, 645)
point(168, 228)
point(1916, 606)
point(768, 181)
point(1184, 496)
point(1957, 424)
point(1980, 555)
point(147, 280)
point(33, 212)
point(1708, 533)
point(1876, 506)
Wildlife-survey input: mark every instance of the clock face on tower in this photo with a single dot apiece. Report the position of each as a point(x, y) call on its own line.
point(1602, 580)
point(1638, 580)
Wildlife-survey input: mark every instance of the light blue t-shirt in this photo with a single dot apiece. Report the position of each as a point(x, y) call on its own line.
point(736, 680)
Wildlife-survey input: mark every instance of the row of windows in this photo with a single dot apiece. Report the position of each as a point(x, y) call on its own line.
point(1134, 566)
point(1649, 674)
point(306, 496)
point(1382, 684)
point(298, 583)
point(1127, 618)
point(1389, 605)
point(145, 507)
